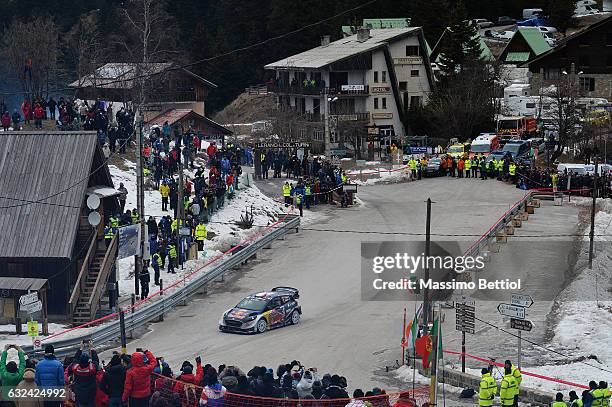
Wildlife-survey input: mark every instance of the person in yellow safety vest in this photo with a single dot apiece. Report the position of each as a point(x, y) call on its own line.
point(574, 401)
point(597, 394)
point(186, 202)
point(603, 386)
point(299, 203)
point(134, 216)
point(512, 172)
point(343, 178)
point(308, 196)
point(173, 225)
point(508, 388)
point(171, 258)
point(468, 167)
point(515, 372)
point(499, 167)
point(487, 389)
point(287, 193)
point(114, 223)
point(554, 177)
point(156, 262)
point(200, 235)
point(412, 164)
point(108, 234)
point(559, 401)
point(164, 191)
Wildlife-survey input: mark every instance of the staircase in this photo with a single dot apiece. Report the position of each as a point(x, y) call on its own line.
point(91, 282)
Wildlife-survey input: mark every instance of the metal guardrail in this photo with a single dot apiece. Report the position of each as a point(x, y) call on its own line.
point(483, 242)
point(142, 315)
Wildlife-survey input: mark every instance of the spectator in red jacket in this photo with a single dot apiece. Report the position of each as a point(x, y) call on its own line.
point(138, 380)
point(182, 385)
point(26, 109)
point(84, 375)
point(39, 115)
point(102, 399)
point(6, 120)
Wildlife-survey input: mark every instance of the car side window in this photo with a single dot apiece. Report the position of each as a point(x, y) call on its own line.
point(286, 299)
point(277, 302)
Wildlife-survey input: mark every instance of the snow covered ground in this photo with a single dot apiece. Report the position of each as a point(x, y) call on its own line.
point(371, 176)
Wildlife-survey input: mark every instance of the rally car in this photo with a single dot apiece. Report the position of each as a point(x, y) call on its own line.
point(262, 311)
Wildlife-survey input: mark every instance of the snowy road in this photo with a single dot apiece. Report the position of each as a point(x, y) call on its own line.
point(338, 332)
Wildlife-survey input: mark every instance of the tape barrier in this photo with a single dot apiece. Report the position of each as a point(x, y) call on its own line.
point(539, 376)
point(583, 189)
point(177, 282)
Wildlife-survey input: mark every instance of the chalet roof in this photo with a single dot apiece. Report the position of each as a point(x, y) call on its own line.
point(43, 183)
point(377, 23)
point(533, 38)
point(22, 284)
point(347, 47)
point(563, 42)
point(173, 116)
point(121, 75)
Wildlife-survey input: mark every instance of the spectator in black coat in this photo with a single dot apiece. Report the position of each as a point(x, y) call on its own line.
point(113, 381)
point(335, 391)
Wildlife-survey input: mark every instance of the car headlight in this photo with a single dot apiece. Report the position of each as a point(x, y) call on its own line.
point(251, 318)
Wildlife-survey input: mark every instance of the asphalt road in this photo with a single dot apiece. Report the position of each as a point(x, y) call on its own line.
point(338, 332)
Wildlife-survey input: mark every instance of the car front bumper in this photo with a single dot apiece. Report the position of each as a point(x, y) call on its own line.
point(232, 326)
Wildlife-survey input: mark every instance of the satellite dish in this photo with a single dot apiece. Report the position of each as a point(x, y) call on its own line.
point(94, 218)
point(93, 201)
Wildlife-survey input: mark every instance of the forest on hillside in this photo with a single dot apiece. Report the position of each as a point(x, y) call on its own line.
point(213, 33)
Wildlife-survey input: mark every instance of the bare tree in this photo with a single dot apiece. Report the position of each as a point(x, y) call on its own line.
point(565, 114)
point(31, 49)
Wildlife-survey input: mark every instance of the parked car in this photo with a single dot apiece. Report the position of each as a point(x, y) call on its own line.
point(482, 23)
point(546, 30)
point(505, 20)
point(434, 166)
point(503, 35)
point(531, 13)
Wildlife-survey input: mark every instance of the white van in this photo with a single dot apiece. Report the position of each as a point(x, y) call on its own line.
point(577, 169)
point(532, 13)
point(601, 169)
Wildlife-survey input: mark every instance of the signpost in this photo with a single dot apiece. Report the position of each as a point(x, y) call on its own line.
point(516, 311)
point(512, 311)
point(465, 321)
point(31, 307)
point(36, 343)
point(28, 298)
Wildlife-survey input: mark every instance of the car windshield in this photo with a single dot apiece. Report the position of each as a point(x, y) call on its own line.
point(481, 148)
point(252, 304)
point(512, 148)
point(434, 161)
point(455, 149)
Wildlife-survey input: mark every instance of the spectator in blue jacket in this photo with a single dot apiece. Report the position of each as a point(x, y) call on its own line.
point(49, 371)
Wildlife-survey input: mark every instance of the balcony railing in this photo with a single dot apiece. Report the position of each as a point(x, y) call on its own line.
point(344, 90)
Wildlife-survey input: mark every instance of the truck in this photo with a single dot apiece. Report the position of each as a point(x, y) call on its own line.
point(484, 144)
point(516, 127)
point(458, 150)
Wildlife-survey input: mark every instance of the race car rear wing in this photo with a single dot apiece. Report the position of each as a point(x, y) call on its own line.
point(294, 292)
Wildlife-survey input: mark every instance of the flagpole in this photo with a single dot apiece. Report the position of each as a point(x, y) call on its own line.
point(404, 340)
point(436, 356)
point(434, 367)
point(416, 320)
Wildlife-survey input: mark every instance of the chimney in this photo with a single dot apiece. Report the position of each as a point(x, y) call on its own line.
point(325, 40)
point(363, 34)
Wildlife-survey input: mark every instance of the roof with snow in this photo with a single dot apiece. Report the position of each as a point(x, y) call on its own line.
point(121, 75)
point(44, 180)
point(344, 48)
point(174, 116)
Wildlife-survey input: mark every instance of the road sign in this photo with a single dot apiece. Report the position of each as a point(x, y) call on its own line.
point(522, 300)
point(31, 307)
point(465, 318)
point(33, 328)
point(521, 324)
point(513, 311)
point(469, 330)
point(36, 343)
point(28, 298)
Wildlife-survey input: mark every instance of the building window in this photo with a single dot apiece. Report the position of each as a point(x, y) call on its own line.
point(530, 105)
point(318, 135)
point(403, 86)
point(375, 103)
point(412, 51)
point(551, 73)
point(414, 73)
point(415, 101)
point(375, 76)
point(587, 84)
point(384, 103)
point(383, 76)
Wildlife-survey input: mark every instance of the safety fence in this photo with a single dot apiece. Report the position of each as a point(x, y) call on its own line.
point(176, 392)
point(482, 243)
point(177, 293)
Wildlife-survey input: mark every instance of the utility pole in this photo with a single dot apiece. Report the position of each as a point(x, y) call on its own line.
point(592, 233)
point(139, 205)
point(180, 206)
point(327, 137)
point(426, 302)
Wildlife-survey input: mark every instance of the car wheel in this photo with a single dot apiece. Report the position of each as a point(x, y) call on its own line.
point(295, 318)
point(261, 326)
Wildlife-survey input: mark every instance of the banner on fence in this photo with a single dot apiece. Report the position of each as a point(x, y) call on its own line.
point(128, 241)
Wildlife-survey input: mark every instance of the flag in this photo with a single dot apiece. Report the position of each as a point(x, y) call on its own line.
point(423, 349)
point(412, 329)
point(436, 329)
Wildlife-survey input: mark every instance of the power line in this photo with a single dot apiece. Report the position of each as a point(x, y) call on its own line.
point(203, 60)
point(532, 342)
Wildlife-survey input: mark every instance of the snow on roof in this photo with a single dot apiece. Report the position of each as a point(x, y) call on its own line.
point(341, 49)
